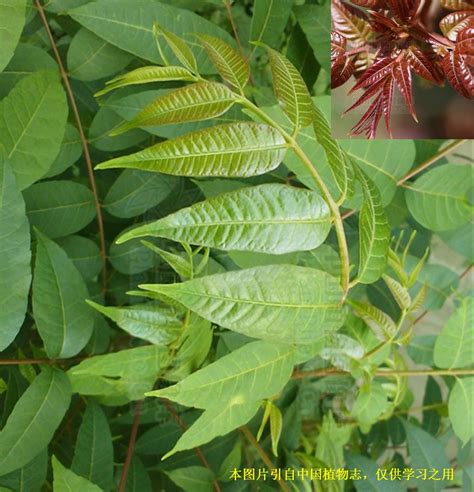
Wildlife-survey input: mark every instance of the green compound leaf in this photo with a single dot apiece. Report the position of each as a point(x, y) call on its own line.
point(269, 218)
point(439, 199)
point(233, 150)
point(454, 346)
point(32, 124)
point(271, 302)
point(66, 480)
point(150, 322)
point(12, 20)
point(59, 208)
point(195, 102)
point(15, 256)
point(63, 319)
point(94, 452)
point(374, 233)
point(232, 67)
point(290, 89)
point(255, 371)
point(34, 419)
point(147, 75)
point(461, 410)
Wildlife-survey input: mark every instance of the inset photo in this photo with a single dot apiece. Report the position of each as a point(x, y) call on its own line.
point(402, 69)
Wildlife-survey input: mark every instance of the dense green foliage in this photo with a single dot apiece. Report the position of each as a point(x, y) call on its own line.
point(195, 277)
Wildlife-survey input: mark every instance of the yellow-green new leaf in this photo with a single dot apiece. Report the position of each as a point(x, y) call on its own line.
point(63, 319)
point(461, 408)
point(15, 256)
point(290, 90)
point(231, 65)
point(374, 233)
point(270, 218)
point(67, 481)
point(147, 75)
point(379, 321)
point(254, 371)
point(34, 419)
point(178, 46)
point(276, 426)
point(454, 346)
point(150, 322)
point(337, 160)
point(231, 150)
point(277, 302)
point(195, 102)
point(216, 421)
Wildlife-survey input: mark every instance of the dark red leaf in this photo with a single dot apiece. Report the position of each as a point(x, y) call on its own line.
point(423, 66)
point(382, 23)
point(402, 76)
point(368, 123)
point(387, 98)
point(342, 66)
point(405, 10)
point(458, 73)
point(368, 93)
point(431, 38)
point(377, 71)
point(368, 4)
point(465, 41)
point(350, 22)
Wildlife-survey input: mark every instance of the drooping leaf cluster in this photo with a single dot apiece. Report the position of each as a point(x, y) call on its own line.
point(384, 43)
point(196, 277)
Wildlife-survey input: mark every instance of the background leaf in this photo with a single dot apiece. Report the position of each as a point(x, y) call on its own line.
point(34, 419)
point(438, 199)
point(94, 452)
point(129, 27)
point(12, 19)
point(32, 124)
point(15, 254)
point(461, 410)
point(59, 208)
point(63, 319)
point(455, 344)
point(269, 20)
point(66, 480)
point(90, 57)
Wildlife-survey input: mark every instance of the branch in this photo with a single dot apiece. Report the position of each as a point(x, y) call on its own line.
point(131, 446)
point(264, 456)
point(84, 142)
point(228, 6)
point(431, 160)
point(167, 404)
point(381, 372)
